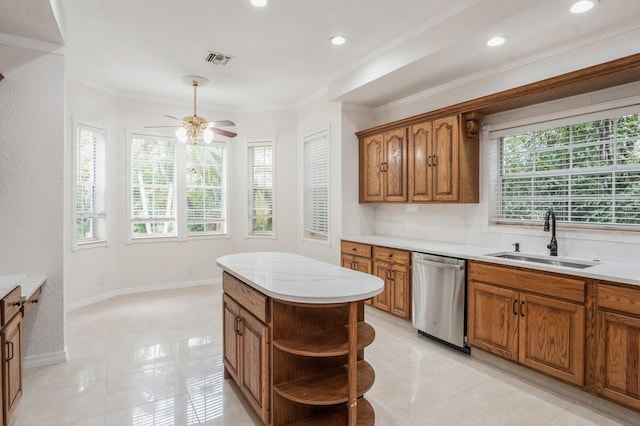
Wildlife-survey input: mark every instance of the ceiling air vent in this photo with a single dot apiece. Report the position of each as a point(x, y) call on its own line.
point(218, 58)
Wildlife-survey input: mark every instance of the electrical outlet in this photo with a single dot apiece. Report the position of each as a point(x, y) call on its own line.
point(189, 269)
point(465, 222)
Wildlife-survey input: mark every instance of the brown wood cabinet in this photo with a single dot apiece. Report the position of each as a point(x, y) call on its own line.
point(618, 344)
point(527, 316)
point(442, 162)
point(356, 256)
point(246, 344)
point(383, 167)
point(394, 268)
point(11, 342)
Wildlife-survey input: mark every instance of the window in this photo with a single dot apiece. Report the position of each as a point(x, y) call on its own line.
point(586, 168)
point(260, 185)
point(205, 189)
point(89, 170)
point(176, 190)
point(316, 186)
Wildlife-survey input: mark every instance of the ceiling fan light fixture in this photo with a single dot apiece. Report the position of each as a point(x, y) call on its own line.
point(207, 135)
point(181, 134)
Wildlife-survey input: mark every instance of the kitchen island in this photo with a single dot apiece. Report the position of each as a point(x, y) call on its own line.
point(294, 337)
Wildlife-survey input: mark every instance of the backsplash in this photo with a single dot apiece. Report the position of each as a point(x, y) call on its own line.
point(468, 224)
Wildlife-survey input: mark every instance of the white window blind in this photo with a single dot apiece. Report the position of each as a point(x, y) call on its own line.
point(205, 176)
point(316, 186)
point(587, 168)
point(260, 159)
point(90, 183)
point(153, 189)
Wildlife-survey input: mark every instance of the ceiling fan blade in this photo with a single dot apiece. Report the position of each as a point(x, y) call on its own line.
point(223, 123)
point(158, 127)
point(224, 132)
point(171, 116)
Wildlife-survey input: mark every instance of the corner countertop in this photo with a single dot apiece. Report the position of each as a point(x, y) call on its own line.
point(294, 278)
point(620, 272)
point(28, 284)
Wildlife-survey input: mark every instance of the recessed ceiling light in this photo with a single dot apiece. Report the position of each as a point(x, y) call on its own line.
point(582, 6)
point(496, 41)
point(338, 40)
point(259, 3)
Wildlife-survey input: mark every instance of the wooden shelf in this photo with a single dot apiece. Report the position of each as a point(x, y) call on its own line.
point(326, 343)
point(327, 388)
point(338, 416)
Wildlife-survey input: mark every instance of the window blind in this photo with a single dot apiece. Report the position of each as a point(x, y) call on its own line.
point(260, 159)
point(90, 182)
point(316, 186)
point(153, 190)
point(587, 168)
point(205, 176)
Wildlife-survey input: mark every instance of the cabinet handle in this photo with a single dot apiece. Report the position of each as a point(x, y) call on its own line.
point(428, 161)
point(11, 357)
point(390, 275)
point(435, 160)
point(18, 304)
point(513, 307)
point(239, 325)
point(521, 311)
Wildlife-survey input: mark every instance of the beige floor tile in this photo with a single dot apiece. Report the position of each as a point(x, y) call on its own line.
point(175, 410)
point(80, 372)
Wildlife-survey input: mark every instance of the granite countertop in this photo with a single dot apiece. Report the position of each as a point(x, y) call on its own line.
point(294, 278)
point(621, 272)
point(28, 284)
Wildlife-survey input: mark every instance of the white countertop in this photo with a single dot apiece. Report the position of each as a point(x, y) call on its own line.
point(28, 284)
point(620, 272)
point(294, 278)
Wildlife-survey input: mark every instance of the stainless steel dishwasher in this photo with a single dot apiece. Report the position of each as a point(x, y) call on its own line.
point(439, 298)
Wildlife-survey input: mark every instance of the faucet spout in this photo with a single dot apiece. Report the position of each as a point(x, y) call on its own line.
point(553, 244)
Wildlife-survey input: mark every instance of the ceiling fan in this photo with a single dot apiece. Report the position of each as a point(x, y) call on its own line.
point(193, 127)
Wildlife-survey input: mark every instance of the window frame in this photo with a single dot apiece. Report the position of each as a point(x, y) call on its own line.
point(100, 238)
point(492, 134)
point(180, 190)
point(310, 235)
point(249, 233)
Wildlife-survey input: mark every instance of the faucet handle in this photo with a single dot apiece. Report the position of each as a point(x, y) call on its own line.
point(517, 246)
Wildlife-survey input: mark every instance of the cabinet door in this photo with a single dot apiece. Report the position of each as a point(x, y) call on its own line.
point(493, 319)
point(230, 319)
point(382, 300)
point(618, 375)
point(395, 165)
point(400, 284)
point(254, 376)
point(552, 337)
point(372, 179)
point(445, 159)
point(12, 365)
point(356, 263)
point(420, 176)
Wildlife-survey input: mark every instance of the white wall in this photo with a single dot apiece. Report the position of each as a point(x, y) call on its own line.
point(97, 273)
point(31, 185)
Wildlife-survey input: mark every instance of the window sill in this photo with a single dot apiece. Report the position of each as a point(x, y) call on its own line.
point(607, 235)
point(86, 245)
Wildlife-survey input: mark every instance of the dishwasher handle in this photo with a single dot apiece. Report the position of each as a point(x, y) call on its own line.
point(439, 264)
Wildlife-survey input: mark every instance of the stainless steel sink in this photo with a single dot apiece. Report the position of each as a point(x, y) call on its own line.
point(548, 260)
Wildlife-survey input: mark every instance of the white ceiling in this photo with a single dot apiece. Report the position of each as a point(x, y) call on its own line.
point(282, 54)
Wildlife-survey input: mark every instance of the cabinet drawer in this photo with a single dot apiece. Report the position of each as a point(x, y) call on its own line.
point(621, 299)
point(392, 255)
point(529, 280)
point(357, 249)
point(250, 299)
point(10, 305)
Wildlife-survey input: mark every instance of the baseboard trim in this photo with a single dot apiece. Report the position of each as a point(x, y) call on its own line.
point(135, 290)
point(44, 359)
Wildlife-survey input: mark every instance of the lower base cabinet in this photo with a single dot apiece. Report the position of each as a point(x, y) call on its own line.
point(12, 364)
point(540, 331)
point(297, 363)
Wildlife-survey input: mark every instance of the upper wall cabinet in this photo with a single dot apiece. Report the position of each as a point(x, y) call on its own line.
point(383, 167)
point(429, 161)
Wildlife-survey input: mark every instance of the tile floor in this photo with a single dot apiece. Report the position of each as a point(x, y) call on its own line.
point(155, 359)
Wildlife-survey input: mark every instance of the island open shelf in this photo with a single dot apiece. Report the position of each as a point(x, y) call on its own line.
point(299, 358)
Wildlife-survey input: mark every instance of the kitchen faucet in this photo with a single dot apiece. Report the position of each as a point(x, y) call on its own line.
point(553, 245)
